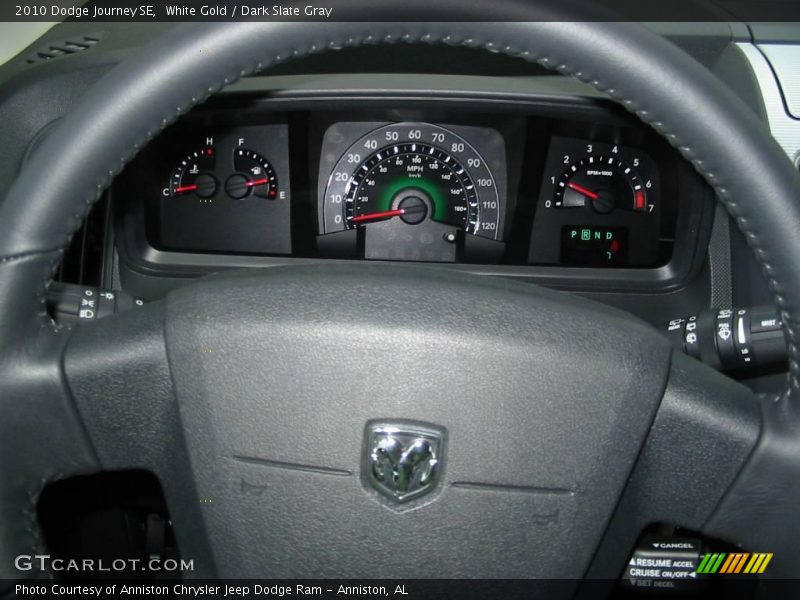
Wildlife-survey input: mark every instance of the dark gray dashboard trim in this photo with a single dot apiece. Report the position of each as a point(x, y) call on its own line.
point(413, 84)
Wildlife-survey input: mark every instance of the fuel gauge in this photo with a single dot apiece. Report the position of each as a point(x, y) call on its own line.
point(254, 175)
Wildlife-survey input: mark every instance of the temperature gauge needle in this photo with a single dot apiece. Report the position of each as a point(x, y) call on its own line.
point(185, 188)
point(378, 215)
point(583, 191)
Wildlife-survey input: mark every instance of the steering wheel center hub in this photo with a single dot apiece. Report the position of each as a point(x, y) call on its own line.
point(486, 374)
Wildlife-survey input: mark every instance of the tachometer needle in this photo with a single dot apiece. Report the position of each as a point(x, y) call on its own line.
point(378, 215)
point(583, 191)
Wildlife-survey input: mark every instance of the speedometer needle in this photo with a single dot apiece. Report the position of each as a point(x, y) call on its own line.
point(378, 215)
point(583, 191)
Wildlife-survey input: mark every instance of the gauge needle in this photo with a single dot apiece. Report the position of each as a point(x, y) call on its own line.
point(256, 182)
point(185, 188)
point(583, 191)
point(378, 215)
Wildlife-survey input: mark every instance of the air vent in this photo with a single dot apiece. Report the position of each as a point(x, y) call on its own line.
point(85, 258)
point(64, 48)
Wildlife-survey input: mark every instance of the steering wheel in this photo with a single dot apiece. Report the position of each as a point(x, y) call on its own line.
point(564, 426)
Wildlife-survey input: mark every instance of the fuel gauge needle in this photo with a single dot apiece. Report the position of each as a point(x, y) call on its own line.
point(378, 215)
point(583, 191)
point(256, 182)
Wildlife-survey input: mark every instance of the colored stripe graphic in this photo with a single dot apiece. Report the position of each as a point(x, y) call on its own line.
point(701, 568)
point(737, 562)
point(708, 562)
point(758, 563)
point(765, 562)
point(711, 562)
point(717, 563)
point(728, 562)
point(753, 564)
point(740, 564)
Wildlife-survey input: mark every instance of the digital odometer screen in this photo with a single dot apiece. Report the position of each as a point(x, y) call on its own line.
point(589, 246)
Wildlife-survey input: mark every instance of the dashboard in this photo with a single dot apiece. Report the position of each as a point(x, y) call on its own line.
point(566, 190)
point(563, 190)
point(677, 256)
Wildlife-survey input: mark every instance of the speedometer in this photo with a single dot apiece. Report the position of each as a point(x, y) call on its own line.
point(413, 182)
point(413, 175)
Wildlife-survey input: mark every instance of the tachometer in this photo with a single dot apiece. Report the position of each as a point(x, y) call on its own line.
point(602, 183)
point(600, 205)
point(414, 174)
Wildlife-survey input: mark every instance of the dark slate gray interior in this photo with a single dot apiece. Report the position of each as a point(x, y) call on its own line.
point(567, 422)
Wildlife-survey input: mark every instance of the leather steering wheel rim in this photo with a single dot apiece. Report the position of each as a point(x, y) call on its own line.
point(696, 113)
point(648, 76)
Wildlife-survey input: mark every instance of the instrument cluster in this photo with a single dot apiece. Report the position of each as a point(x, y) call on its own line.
point(535, 191)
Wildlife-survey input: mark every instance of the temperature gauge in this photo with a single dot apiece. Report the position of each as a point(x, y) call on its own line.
point(192, 177)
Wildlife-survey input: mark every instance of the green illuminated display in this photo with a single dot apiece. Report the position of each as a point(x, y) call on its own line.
point(426, 185)
point(584, 246)
point(590, 235)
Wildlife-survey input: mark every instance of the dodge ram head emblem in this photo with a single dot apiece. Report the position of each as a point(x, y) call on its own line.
point(403, 461)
